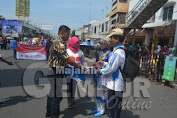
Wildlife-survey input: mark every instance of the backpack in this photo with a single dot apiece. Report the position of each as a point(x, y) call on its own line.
point(130, 70)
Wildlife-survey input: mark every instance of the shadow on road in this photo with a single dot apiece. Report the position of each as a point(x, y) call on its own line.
point(16, 77)
point(83, 104)
point(128, 114)
point(86, 104)
point(14, 100)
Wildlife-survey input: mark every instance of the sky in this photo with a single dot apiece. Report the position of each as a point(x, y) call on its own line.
point(73, 13)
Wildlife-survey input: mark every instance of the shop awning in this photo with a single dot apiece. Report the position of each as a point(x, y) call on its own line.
point(157, 24)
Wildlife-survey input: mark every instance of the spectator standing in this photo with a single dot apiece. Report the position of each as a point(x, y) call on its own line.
point(15, 47)
point(48, 45)
point(1, 42)
point(5, 43)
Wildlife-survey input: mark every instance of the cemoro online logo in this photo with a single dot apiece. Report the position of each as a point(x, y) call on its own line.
point(37, 80)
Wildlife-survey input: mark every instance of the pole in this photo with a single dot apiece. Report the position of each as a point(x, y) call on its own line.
point(134, 37)
point(175, 40)
point(24, 10)
point(18, 10)
point(153, 41)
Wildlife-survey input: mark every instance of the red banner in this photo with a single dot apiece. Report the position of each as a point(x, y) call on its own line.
point(31, 52)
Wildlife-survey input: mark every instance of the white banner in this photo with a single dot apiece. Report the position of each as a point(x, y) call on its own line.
point(31, 56)
point(48, 27)
point(31, 52)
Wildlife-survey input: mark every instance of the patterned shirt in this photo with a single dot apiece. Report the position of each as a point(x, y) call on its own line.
point(57, 54)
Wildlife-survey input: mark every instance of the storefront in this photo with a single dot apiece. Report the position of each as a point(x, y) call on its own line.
point(164, 35)
point(163, 32)
point(139, 37)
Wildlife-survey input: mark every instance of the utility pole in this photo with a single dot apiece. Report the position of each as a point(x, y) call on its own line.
point(175, 40)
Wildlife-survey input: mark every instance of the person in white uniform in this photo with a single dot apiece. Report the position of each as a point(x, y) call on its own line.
point(112, 76)
point(104, 55)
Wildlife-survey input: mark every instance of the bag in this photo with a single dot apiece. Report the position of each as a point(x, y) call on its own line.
point(130, 70)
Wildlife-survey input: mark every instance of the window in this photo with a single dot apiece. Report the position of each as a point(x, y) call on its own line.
point(99, 28)
point(113, 17)
point(95, 30)
point(103, 27)
point(106, 26)
point(121, 18)
point(168, 13)
point(123, 1)
point(114, 8)
point(95, 42)
point(113, 24)
point(114, 3)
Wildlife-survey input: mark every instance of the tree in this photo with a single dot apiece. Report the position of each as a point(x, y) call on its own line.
point(73, 33)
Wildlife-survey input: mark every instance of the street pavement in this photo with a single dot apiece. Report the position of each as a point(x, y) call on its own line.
point(18, 104)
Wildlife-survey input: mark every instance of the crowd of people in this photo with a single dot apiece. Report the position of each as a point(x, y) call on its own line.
point(151, 63)
point(45, 42)
point(4, 43)
point(140, 50)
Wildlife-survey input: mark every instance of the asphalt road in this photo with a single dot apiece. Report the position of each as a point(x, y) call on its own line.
point(18, 103)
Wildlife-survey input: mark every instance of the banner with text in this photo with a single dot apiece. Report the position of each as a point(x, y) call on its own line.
point(169, 68)
point(31, 52)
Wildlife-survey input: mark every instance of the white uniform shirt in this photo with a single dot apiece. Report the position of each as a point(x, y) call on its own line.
point(112, 77)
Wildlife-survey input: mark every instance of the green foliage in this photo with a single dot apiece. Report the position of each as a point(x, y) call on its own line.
point(73, 33)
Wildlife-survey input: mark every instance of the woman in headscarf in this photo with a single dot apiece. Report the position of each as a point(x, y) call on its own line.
point(104, 55)
point(78, 56)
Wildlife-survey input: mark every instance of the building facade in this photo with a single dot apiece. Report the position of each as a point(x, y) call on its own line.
point(160, 28)
point(16, 28)
point(99, 29)
point(119, 12)
point(163, 24)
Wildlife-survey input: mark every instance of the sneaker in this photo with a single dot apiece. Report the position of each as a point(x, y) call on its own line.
point(99, 114)
point(74, 103)
point(71, 104)
point(94, 112)
point(1, 103)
